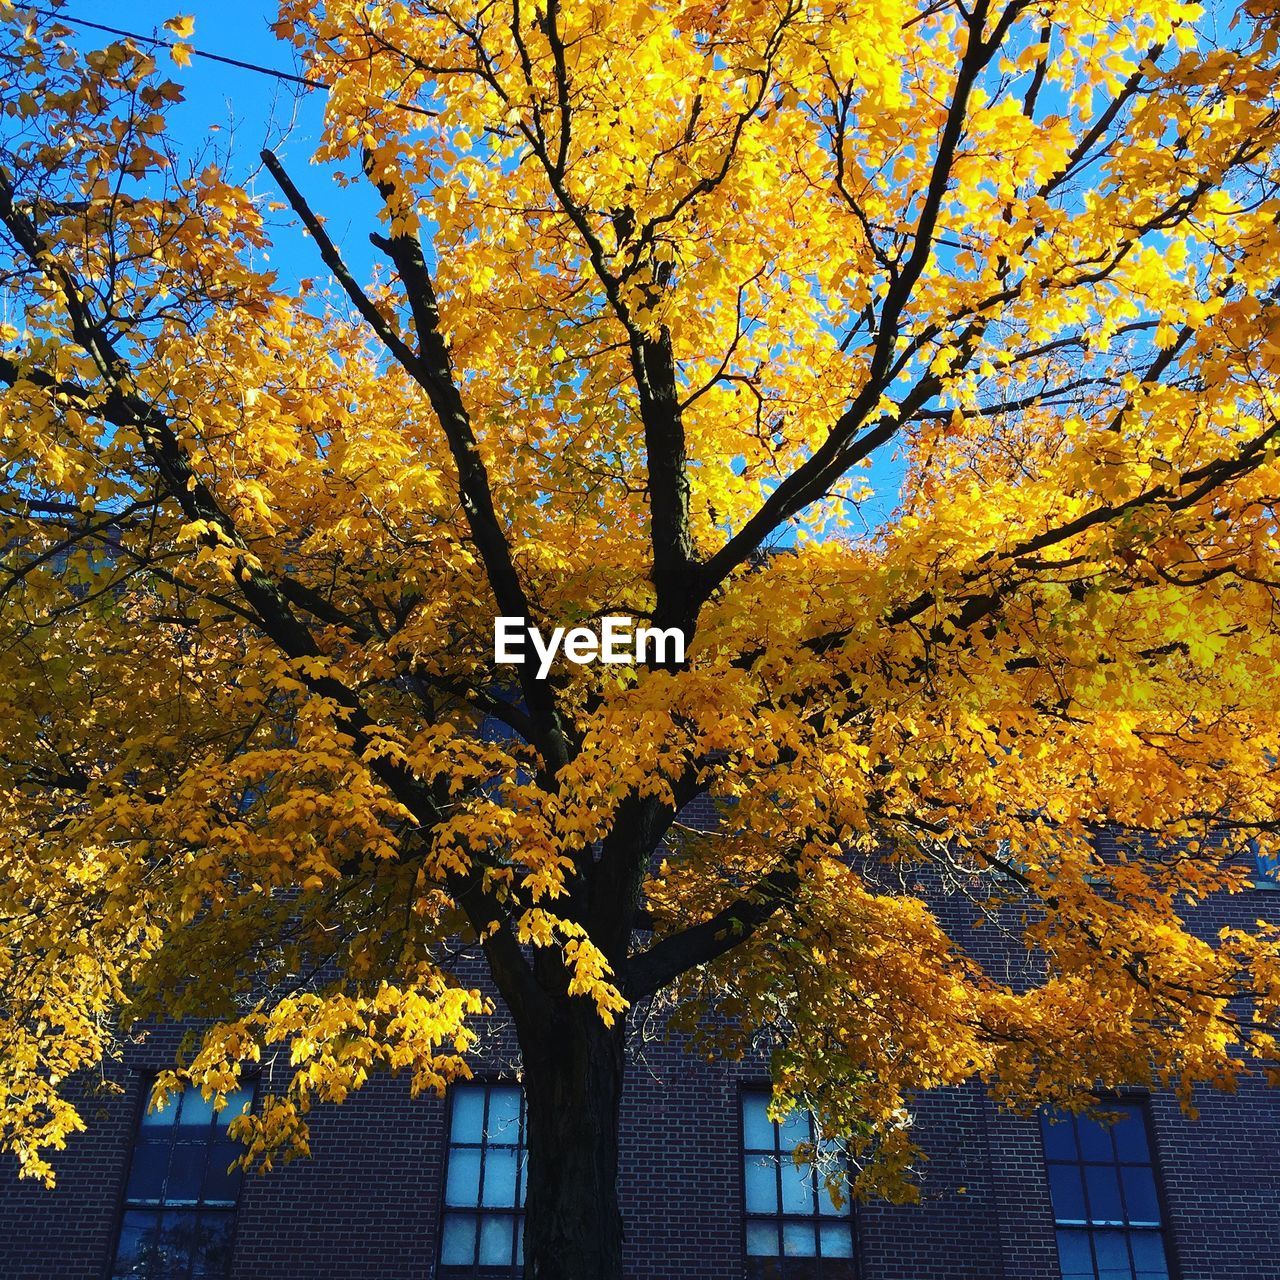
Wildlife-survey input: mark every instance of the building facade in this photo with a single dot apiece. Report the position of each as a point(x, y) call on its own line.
point(430, 1189)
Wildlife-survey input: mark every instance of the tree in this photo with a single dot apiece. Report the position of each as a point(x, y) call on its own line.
point(658, 285)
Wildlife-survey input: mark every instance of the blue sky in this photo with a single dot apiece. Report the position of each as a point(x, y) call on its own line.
point(227, 106)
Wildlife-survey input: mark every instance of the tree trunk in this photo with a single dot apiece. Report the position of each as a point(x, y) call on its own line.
point(573, 1090)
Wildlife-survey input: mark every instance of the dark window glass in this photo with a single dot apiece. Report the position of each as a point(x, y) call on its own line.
point(483, 1230)
point(794, 1231)
point(180, 1199)
point(1103, 1186)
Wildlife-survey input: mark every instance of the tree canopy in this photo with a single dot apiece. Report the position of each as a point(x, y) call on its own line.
point(658, 283)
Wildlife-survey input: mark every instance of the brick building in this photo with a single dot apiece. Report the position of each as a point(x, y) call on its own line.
point(428, 1189)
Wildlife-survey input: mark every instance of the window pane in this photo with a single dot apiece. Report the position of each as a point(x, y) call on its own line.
point(486, 1175)
point(1074, 1255)
point(462, 1186)
point(1140, 1195)
point(757, 1128)
point(238, 1103)
point(761, 1184)
point(211, 1247)
point(836, 1239)
point(1121, 1197)
point(762, 1239)
point(171, 1254)
point(458, 1241)
point(1130, 1133)
point(186, 1173)
point(496, 1240)
point(1095, 1140)
point(176, 1161)
point(1067, 1192)
point(221, 1179)
point(1148, 1255)
point(162, 1117)
point(195, 1112)
point(1103, 1187)
point(147, 1172)
point(1057, 1131)
point(1113, 1255)
point(797, 1187)
point(499, 1178)
point(799, 1239)
point(794, 1130)
point(504, 1115)
point(1268, 864)
point(826, 1205)
point(466, 1120)
point(138, 1236)
point(842, 1269)
point(790, 1214)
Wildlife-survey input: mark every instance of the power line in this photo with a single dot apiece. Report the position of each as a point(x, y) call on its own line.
point(309, 81)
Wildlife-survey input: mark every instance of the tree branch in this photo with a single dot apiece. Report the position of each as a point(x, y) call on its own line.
point(431, 367)
point(667, 959)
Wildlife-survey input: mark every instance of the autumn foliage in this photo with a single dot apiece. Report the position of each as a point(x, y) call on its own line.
point(658, 284)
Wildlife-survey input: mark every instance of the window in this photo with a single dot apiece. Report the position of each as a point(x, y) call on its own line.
point(180, 1201)
point(1267, 867)
point(1106, 1205)
point(483, 1228)
point(793, 1230)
